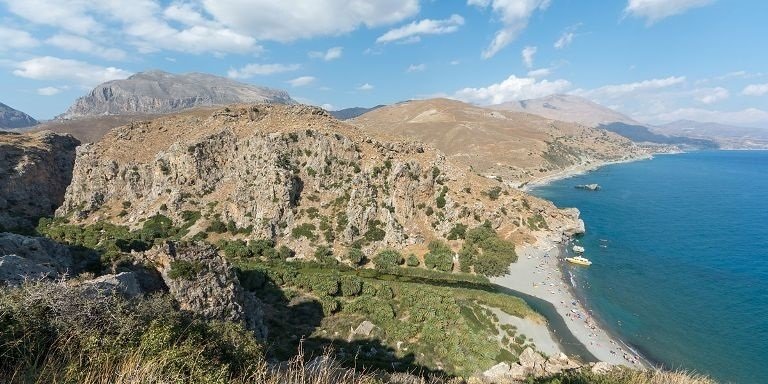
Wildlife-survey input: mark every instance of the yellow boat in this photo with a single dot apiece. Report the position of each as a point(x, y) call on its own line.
point(578, 260)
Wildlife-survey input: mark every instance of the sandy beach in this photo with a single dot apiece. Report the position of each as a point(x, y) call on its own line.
point(537, 273)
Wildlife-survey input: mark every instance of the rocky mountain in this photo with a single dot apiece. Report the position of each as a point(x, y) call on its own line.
point(518, 147)
point(727, 136)
point(14, 119)
point(35, 170)
point(156, 92)
point(294, 175)
point(643, 134)
point(351, 113)
point(568, 108)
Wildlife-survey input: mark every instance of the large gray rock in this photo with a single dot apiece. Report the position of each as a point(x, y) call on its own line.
point(532, 361)
point(162, 92)
point(35, 170)
point(124, 283)
point(33, 258)
point(212, 289)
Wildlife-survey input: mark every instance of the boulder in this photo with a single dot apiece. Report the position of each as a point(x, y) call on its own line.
point(497, 372)
point(601, 367)
point(365, 328)
point(125, 283)
point(14, 270)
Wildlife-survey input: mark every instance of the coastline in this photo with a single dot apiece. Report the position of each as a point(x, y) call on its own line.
point(576, 170)
point(538, 273)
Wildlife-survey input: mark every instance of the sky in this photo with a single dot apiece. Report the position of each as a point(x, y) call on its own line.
point(654, 60)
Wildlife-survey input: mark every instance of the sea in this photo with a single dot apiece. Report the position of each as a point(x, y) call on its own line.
point(679, 246)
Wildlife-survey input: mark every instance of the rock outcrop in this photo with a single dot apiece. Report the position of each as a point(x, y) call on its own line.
point(35, 170)
point(530, 364)
point(295, 175)
point(161, 92)
point(13, 119)
point(209, 287)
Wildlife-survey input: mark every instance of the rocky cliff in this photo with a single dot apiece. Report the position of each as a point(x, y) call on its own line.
point(35, 170)
point(295, 175)
point(161, 92)
point(13, 119)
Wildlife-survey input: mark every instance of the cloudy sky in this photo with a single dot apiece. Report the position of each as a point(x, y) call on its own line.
point(656, 60)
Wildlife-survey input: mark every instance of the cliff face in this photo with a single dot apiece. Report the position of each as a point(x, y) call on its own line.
point(35, 170)
point(11, 118)
point(161, 92)
point(295, 175)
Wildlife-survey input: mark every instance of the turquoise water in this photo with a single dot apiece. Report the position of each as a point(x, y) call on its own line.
point(683, 272)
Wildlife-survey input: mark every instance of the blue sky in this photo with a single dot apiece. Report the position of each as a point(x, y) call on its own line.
point(656, 60)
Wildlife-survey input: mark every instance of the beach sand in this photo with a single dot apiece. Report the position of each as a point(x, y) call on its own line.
point(537, 273)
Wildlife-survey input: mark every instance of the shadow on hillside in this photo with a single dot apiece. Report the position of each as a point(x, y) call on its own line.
point(291, 322)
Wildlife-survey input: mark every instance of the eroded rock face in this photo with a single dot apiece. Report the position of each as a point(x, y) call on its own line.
point(162, 92)
point(13, 119)
point(211, 288)
point(530, 364)
point(35, 170)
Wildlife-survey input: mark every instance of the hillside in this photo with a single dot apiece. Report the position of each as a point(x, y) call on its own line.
point(518, 147)
point(351, 113)
point(570, 108)
point(643, 134)
point(13, 119)
point(727, 136)
point(156, 92)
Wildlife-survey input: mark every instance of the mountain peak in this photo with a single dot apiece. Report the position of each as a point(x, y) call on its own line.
point(570, 108)
point(11, 118)
point(155, 91)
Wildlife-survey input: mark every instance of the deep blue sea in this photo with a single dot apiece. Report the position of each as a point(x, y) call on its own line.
point(680, 251)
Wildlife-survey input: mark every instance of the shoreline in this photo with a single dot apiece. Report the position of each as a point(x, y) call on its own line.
point(577, 170)
point(538, 273)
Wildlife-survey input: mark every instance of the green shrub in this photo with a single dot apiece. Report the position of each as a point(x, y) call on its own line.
point(351, 286)
point(440, 201)
point(283, 252)
point(355, 255)
point(374, 232)
point(216, 226)
point(157, 227)
point(388, 258)
point(440, 256)
point(324, 255)
point(493, 193)
point(459, 231)
point(412, 261)
point(306, 230)
point(182, 269)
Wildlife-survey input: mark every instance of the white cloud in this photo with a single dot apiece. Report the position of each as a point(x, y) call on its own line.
point(54, 68)
point(331, 54)
point(416, 68)
point(328, 107)
point(301, 81)
point(144, 24)
point(567, 37)
point(252, 70)
point(291, 20)
point(620, 90)
point(755, 90)
point(455, 62)
point(748, 117)
point(514, 14)
point(711, 95)
point(528, 53)
point(365, 87)
point(49, 91)
point(83, 45)
point(513, 88)
point(655, 10)
point(16, 39)
point(412, 31)
point(541, 72)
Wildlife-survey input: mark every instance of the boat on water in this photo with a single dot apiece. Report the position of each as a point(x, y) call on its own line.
point(578, 249)
point(578, 260)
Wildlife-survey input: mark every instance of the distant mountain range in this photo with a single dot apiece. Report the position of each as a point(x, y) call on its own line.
point(569, 108)
point(727, 136)
point(14, 119)
point(643, 134)
point(351, 113)
point(162, 92)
